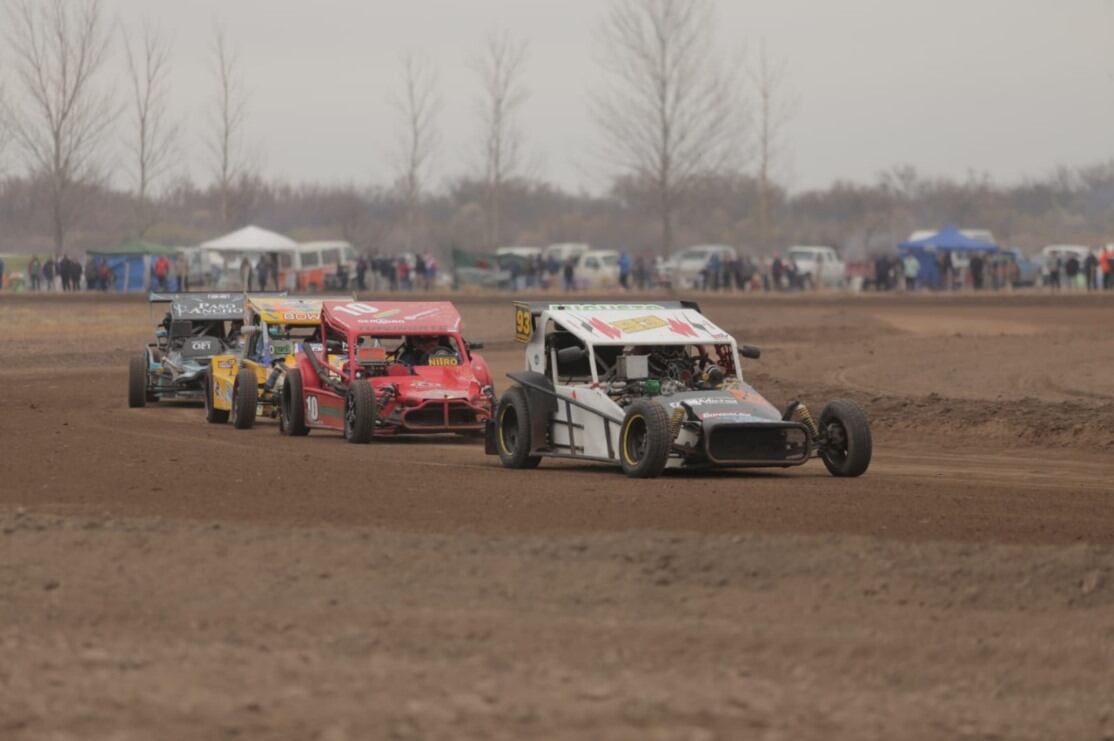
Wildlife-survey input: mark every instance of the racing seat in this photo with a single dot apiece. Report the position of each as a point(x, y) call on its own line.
point(559, 340)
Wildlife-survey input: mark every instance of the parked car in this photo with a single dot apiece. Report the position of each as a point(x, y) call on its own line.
point(598, 269)
point(1021, 271)
point(687, 270)
point(818, 266)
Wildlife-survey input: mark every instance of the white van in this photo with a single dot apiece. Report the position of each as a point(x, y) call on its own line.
point(597, 269)
point(686, 270)
point(818, 266)
point(312, 266)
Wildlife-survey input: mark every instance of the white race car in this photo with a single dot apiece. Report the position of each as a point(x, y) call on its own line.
point(655, 386)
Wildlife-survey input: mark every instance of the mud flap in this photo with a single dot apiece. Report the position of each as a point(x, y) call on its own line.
point(489, 438)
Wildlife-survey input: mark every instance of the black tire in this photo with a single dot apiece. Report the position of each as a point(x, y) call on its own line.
point(212, 414)
point(359, 413)
point(645, 440)
point(848, 446)
point(245, 396)
point(512, 430)
point(292, 410)
point(137, 380)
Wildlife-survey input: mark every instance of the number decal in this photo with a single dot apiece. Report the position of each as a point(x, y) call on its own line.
point(311, 407)
point(639, 324)
point(357, 309)
point(523, 324)
point(199, 345)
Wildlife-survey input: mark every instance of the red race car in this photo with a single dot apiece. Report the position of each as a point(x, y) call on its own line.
point(384, 368)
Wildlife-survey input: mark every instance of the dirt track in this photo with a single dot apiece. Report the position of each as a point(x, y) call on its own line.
point(160, 577)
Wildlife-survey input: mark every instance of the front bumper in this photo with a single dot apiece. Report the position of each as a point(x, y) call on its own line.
point(757, 444)
point(444, 415)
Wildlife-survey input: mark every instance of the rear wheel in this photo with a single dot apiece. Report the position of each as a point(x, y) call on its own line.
point(292, 410)
point(645, 440)
point(212, 414)
point(847, 445)
point(137, 380)
point(245, 396)
point(359, 413)
point(512, 430)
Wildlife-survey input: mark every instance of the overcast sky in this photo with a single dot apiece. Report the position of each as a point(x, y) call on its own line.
point(1007, 87)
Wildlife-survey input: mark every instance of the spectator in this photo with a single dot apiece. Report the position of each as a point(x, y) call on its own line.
point(104, 275)
point(775, 273)
point(262, 268)
point(1055, 264)
point(63, 268)
point(430, 270)
point(624, 271)
point(1071, 271)
point(75, 275)
point(162, 271)
point(403, 268)
point(245, 274)
point(182, 272)
point(570, 274)
point(977, 264)
point(361, 271)
point(912, 268)
point(48, 273)
point(640, 274)
point(34, 272)
point(1090, 268)
point(1, 273)
point(1106, 262)
point(420, 271)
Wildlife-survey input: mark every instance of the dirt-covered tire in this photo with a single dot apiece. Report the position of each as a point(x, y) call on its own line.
point(292, 409)
point(644, 440)
point(212, 414)
point(512, 430)
point(359, 413)
point(137, 380)
point(245, 396)
point(847, 443)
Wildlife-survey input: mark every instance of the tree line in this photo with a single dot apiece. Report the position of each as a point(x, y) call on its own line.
point(692, 136)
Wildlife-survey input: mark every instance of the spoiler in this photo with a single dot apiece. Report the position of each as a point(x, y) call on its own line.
point(156, 297)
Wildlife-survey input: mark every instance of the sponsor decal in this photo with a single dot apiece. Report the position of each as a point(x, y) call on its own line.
point(681, 328)
point(738, 394)
point(357, 308)
point(608, 307)
point(206, 308)
point(639, 324)
point(606, 329)
point(700, 401)
point(226, 364)
point(419, 315)
point(443, 360)
point(299, 316)
point(730, 415)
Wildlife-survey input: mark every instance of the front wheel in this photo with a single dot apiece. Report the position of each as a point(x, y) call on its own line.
point(512, 430)
point(359, 413)
point(245, 397)
point(292, 410)
point(137, 380)
point(846, 443)
point(645, 440)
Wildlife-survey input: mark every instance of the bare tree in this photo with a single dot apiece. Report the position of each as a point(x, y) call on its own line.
point(230, 106)
point(61, 119)
point(500, 69)
point(774, 108)
point(154, 139)
point(667, 110)
point(417, 106)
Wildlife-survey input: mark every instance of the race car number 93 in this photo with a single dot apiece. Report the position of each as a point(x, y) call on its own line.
point(523, 324)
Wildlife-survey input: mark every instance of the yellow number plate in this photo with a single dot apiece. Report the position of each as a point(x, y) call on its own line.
point(523, 324)
point(639, 324)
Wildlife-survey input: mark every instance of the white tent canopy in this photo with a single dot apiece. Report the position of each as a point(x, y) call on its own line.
point(251, 239)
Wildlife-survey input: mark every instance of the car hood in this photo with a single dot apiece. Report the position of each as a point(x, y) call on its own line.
point(739, 403)
point(434, 383)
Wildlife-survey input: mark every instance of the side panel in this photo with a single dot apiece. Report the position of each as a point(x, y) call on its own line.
point(589, 433)
point(324, 409)
point(223, 369)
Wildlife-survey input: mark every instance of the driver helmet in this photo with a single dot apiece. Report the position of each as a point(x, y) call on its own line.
point(425, 343)
point(713, 376)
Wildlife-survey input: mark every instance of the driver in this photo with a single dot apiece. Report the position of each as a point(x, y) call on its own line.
point(417, 349)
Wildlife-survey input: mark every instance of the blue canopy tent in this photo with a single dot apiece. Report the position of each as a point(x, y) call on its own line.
point(130, 263)
point(928, 249)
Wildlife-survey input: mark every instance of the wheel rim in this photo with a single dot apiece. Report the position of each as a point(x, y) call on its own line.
point(634, 441)
point(508, 430)
point(836, 448)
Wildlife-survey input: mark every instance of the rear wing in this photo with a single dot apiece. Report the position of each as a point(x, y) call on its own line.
point(526, 313)
point(156, 297)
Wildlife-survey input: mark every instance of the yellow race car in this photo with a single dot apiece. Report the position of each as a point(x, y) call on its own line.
point(248, 383)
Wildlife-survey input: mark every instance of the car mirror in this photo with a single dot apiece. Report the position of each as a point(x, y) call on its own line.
point(750, 351)
point(571, 355)
point(475, 346)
